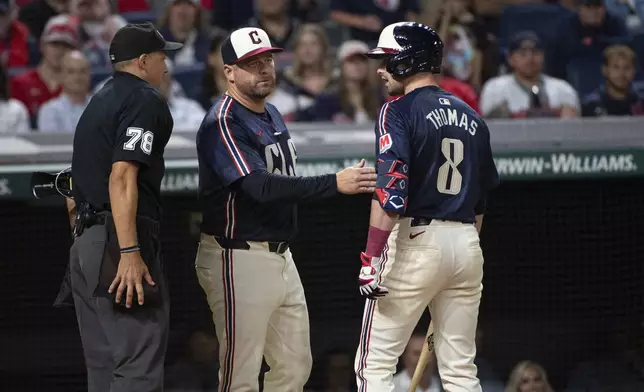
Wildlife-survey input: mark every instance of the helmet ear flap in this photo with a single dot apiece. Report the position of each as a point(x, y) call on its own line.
point(401, 65)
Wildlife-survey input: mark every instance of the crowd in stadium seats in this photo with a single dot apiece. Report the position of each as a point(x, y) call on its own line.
point(506, 58)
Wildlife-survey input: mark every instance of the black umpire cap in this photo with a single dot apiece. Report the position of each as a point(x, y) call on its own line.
point(133, 40)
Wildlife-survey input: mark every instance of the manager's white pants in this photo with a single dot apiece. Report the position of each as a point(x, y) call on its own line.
point(259, 309)
point(440, 265)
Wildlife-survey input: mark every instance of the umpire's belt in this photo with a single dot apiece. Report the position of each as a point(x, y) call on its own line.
point(229, 243)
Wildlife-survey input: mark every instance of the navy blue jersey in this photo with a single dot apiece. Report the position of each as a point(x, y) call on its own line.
point(232, 142)
point(434, 157)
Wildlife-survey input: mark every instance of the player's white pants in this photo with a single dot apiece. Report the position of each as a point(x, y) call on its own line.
point(259, 309)
point(442, 267)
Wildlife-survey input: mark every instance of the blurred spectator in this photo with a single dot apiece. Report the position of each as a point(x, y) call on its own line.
point(310, 11)
point(528, 376)
point(14, 117)
point(214, 78)
point(14, 52)
point(584, 35)
point(97, 28)
point(356, 98)
point(621, 369)
point(630, 11)
point(527, 92)
point(37, 13)
point(156, 7)
point(338, 372)
point(273, 17)
point(460, 89)
point(466, 41)
point(38, 85)
point(182, 22)
point(311, 74)
point(186, 113)
point(429, 382)
point(619, 96)
point(366, 19)
point(231, 14)
point(198, 370)
point(61, 114)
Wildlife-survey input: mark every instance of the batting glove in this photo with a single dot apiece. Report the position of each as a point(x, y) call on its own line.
point(370, 277)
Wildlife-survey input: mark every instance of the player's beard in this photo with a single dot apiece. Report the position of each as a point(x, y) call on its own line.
point(261, 90)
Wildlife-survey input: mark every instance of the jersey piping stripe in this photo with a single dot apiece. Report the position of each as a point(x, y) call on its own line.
point(382, 119)
point(227, 137)
point(227, 274)
point(365, 334)
point(230, 215)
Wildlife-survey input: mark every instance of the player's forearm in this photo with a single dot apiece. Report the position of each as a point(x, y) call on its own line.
point(124, 196)
point(71, 211)
point(264, 187)
point(381, 223)
point(380, 218)
point(479, 223)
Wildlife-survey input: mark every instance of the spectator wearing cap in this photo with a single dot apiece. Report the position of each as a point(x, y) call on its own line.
point(356, 98)
point(62, 113)
point(527, 92)
point(310, 75)
point(97, 27)
point(583, 36)
point(619, 96)
point(273, 17)
point(182, 22)
point(365, 19)
point(42, 83)
point(14, 117)
point(37, 13)
point(186, 113)
point(14, 35)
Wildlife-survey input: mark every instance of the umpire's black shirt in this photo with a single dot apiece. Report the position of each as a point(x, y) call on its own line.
point(127, 120)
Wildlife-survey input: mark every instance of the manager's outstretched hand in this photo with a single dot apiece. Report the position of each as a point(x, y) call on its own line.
point(356, 179)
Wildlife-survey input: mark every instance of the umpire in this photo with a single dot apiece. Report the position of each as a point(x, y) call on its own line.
point(117, 280)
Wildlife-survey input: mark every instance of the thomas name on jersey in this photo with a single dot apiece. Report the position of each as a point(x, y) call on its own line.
point(451, 117)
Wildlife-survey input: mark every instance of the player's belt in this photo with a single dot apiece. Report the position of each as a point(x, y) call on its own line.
point(229, 243)
point(420, 222)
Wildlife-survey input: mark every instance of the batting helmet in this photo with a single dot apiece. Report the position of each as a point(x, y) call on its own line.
point(411, 48)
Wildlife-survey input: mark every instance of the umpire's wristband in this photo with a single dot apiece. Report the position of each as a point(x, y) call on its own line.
point(131, 249)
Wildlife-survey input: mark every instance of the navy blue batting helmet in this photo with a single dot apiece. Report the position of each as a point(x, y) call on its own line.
point(411, 48)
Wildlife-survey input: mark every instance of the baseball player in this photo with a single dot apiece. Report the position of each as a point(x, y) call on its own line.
point(248, 190)
point(435, 168)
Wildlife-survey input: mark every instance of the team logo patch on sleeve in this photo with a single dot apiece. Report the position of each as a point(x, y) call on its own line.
point(385, 142)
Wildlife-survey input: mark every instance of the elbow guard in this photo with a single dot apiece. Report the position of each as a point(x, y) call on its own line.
point(391, 185)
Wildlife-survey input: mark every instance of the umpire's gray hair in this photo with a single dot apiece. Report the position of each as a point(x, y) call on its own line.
point(122, 65)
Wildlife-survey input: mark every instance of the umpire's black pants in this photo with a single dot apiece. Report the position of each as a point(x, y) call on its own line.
point(124, 348)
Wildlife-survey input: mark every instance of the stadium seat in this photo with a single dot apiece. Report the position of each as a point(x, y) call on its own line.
point(33, 46)
point(100, 74)
point(139, 16)
point(584, 73)
point(190, 79)
point(11, 72)
point(540, 18)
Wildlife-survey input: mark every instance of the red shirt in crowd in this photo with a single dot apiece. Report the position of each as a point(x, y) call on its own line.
point(462, 90)
point(29, 88)
point(14, 52)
